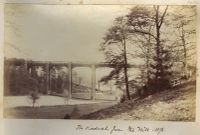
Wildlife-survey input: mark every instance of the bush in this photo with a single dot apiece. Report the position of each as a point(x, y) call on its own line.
point(158, 86)
point(34, 96)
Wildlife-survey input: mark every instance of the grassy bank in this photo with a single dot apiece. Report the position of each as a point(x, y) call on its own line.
point(177, 104)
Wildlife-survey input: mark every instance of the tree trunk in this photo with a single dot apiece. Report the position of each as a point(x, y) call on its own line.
point(148, 59)
point(125, 71)
point(184, 50)
point(159, 50)
point(158, 60)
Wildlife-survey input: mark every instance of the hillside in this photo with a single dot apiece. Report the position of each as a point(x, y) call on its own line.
point(177, 104)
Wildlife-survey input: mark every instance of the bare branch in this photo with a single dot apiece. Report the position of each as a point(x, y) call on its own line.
point(162, 17)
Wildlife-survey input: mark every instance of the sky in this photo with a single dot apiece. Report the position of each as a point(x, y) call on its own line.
point(58, 32)
point(70, 33)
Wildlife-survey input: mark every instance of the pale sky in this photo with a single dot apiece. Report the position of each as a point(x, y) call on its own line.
point(58, 32)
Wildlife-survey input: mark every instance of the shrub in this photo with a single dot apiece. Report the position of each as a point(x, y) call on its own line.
point(34, 96)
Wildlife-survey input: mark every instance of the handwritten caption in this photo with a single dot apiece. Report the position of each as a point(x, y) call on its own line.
point(133, 130)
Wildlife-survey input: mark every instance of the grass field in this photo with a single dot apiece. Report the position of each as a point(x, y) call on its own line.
point(51, 107)
point(44, 100)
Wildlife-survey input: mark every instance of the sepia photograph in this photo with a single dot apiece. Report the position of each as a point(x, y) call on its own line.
point(100, 62)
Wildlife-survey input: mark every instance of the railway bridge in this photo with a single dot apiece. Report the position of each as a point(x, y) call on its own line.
point(47, 66)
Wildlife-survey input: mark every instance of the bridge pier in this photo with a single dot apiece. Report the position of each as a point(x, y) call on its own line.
point(47, 78)
point(70, 79)
point(26, 65)
point(93, 91)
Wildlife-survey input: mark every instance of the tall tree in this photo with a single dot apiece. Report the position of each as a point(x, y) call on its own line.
point(161, 53)
point(114, 47)
point(139, 20)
